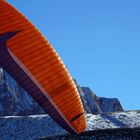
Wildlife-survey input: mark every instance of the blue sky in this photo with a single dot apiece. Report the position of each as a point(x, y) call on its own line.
point(98, 40)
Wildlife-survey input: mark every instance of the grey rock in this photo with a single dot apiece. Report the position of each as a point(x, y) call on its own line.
point(97, 105)
point(109, 104)
point(14, 100)
point(93, 100)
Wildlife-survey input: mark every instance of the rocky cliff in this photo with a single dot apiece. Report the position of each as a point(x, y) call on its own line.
point(15, 101)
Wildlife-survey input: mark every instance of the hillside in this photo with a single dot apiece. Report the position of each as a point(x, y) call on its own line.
point(37, 126)
point(22, 118)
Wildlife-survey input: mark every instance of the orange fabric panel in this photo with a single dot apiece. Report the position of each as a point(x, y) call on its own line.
point(41, 60)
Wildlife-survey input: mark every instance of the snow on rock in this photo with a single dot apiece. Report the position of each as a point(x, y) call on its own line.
point(27, 127)
point(127, 119)
point(31, 127)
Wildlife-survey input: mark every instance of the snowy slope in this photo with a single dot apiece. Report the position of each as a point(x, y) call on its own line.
point(113, 120)
point(21, 128)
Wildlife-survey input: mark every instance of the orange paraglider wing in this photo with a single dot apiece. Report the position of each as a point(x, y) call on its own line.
point(29, 58)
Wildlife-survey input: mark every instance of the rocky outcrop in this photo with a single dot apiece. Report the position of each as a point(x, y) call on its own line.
point(109, 104)
point(96, 105)
point(37, 126)
point(15, 101)
point(92, 100)
point(100, 104)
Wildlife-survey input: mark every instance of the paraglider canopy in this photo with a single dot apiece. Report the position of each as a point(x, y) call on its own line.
point(29, 58)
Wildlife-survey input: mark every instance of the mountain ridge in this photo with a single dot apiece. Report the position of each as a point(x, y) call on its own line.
point(15, 101)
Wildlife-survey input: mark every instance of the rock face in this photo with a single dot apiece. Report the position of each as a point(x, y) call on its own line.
point(109, 104)
point(96, 105)
point(37, 126)
point(15, 101)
